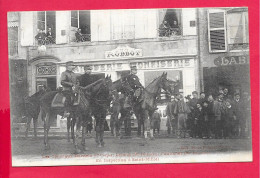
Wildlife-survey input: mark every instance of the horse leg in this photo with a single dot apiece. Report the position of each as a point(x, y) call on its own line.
point(28, 126)
point(35, 121)
point(68, 129)
point(103, 119)
point(75, 136)
point(145, 117)
point(98, 130)
point(46, 130)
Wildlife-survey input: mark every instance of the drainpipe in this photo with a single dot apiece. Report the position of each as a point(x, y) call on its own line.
point(201, 82)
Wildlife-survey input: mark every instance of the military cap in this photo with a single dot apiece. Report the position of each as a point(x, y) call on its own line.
point(133, 67)
point(70, 63)
point(87, 67)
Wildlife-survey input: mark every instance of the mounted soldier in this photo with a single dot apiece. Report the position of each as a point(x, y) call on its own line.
point(85, 80)
point(131, 99)
point(68, 81)
point(135, 84)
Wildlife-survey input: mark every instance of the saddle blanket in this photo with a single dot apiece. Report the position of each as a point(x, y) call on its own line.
point(59, 100)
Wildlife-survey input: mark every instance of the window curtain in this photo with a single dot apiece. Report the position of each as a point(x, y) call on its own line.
point(162, 13)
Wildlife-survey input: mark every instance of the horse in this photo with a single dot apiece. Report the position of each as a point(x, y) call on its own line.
point(146, 105)
point(100, 102)
point(117, 104)
point(84, 94)
point(32, 109)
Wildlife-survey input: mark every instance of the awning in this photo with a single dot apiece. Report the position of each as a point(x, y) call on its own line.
point(13, 24)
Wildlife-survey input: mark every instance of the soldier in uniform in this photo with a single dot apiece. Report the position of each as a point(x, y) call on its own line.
point(135, 84)
point(68, 81)
point(85, 80)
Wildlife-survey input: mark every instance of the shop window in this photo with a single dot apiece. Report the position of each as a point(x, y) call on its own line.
point(237, 29)
point(46, 26)
point(217, 31)
point(80, 20)
point(123, 24)
point(170, 22)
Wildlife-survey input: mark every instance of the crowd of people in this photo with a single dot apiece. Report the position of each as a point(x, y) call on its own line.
point(224, 116)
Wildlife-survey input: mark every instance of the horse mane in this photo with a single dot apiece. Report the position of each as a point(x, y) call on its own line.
point(148, 86)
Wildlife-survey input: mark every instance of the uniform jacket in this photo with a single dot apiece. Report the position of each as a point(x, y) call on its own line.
point(68, 79)
point(85, 80)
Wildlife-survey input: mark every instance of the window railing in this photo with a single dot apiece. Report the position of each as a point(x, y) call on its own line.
point(82, 38)
point(169, 32)
point(46, 41)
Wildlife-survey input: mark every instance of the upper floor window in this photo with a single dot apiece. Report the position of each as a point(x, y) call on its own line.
point(237, 29)
point(217, 30)
point(46, 26)
point(170, 22)
point(123, 24)
point(80, 23)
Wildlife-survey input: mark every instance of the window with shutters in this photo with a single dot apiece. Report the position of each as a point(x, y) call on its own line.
point(170, 22)
point(80, 20)
point(237, 29)
point(123, 24)
point(46, 26)
point(217, 31)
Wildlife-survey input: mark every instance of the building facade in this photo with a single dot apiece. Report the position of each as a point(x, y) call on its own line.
point(224, 50)
point(112, 41)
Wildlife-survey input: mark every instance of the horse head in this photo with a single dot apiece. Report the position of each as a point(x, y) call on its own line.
point(121, 86)
point(165, 84)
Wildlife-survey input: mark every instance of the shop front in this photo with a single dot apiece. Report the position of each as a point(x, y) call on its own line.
point(230, 72)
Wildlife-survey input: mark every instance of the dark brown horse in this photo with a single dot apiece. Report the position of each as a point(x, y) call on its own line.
point(47, 113)
point(145, 107)
point(32, 109)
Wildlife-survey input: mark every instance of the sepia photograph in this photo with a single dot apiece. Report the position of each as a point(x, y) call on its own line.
point(129, 86)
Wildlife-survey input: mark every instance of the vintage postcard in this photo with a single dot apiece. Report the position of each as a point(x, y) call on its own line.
point(135, 86)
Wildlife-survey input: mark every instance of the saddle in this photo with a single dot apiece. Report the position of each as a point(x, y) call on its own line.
point(59, 100)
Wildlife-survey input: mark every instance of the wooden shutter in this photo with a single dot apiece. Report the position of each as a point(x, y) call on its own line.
point(217, 31)
point(62, 18)
point(27, 36)
point(189, 18)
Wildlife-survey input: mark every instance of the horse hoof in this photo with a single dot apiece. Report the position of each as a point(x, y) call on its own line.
point(103, 144)
point(99, 145)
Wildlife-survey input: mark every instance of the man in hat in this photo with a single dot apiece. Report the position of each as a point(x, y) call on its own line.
point(68, 81)
point(239, 108)
point(86, 78)
point(133, 80)
point(172, 122)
